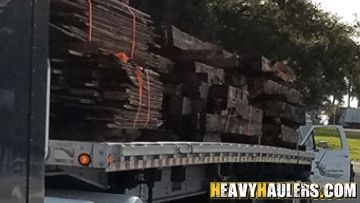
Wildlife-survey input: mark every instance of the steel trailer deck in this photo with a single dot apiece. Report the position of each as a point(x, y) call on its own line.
point(112, 157)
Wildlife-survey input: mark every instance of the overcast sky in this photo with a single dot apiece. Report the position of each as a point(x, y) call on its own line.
point(342, 8)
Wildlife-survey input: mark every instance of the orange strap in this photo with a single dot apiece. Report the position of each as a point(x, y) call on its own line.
point(90, 20)
point(149, 99)
point(122, 56)
point(133, 40)
point(139, 78)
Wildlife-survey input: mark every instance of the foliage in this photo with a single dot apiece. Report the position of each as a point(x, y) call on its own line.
point(192, 16)
point(314, 43)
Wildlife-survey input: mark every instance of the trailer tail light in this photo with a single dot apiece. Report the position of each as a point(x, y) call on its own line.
point(84, 159)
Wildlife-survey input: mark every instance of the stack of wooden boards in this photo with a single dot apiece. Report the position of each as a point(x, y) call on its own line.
point(114, 78)
point(241, 99)
point(108, 91)
point(202, 102)
point(110, 26)
point(271, 88)
point(105, 79)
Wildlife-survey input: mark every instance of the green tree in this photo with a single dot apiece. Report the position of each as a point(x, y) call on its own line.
point(315, 44)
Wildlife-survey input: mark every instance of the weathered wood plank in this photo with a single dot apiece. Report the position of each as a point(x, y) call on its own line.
point(284, 133)
point(288, 113)
point(222, 97)
point(112, 98)
point(112, 30)
point(262, 89)
point(214, 75)
point(214, 57)
point(256, 65)
point(174, 37)
point(231, 124)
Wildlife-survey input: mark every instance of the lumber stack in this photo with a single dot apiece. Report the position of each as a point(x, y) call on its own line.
point(110, 26)
point(106, 92)
point(202, 103)
point(187, 92)
point(255, 96)
point(271, 88)
point(236, 117)
point(105, 78)
point(114, 78)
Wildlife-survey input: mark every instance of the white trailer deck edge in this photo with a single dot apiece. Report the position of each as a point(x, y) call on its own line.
point(112, 157)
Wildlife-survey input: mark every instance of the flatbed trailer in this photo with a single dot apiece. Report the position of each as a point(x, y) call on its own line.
point(115, 157)
point(165, 171)
point(115, 172)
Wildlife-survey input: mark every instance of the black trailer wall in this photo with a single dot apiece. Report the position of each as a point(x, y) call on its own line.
point(23, 53)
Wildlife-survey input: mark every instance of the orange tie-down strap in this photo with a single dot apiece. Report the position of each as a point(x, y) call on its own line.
point(90, 21)
point(122, 56)
point(138, 74)
point(139, 78)
point(133, 40)
point(149, 99)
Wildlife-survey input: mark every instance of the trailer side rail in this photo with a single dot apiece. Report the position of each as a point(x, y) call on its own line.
point(112, 157)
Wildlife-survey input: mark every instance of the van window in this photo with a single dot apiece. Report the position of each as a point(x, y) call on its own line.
point(327, 138)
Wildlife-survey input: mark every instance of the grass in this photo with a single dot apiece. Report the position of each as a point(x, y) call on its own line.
point(330, 135)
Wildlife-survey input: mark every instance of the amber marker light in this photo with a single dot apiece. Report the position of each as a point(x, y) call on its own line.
point(84, 159)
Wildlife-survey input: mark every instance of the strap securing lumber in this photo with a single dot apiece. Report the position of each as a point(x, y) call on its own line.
point(122, 56)
point(133, 41)
point(149, 98)
point(90, 20)
point(139, 78)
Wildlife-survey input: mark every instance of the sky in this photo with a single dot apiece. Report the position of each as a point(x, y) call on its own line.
point(342, 8)
point(345, 9)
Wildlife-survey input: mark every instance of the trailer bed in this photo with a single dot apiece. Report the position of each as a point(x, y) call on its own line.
point(112, 157)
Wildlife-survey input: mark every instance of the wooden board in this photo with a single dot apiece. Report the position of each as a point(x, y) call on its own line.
point(112, 31)
point(283, 132)
point(214, 57)
point(262, 89)
point(247, 112)
point(259, 65)
point(196, 72)
point(288, 113)
point(214, 75)
point(232, 125)
point(113, 97)
point(174, 37)
point(223, 97)
point(178, 45)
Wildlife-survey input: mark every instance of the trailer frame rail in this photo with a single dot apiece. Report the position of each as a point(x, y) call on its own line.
point(112, 157)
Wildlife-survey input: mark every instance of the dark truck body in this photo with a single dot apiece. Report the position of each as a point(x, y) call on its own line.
point(23, 59)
